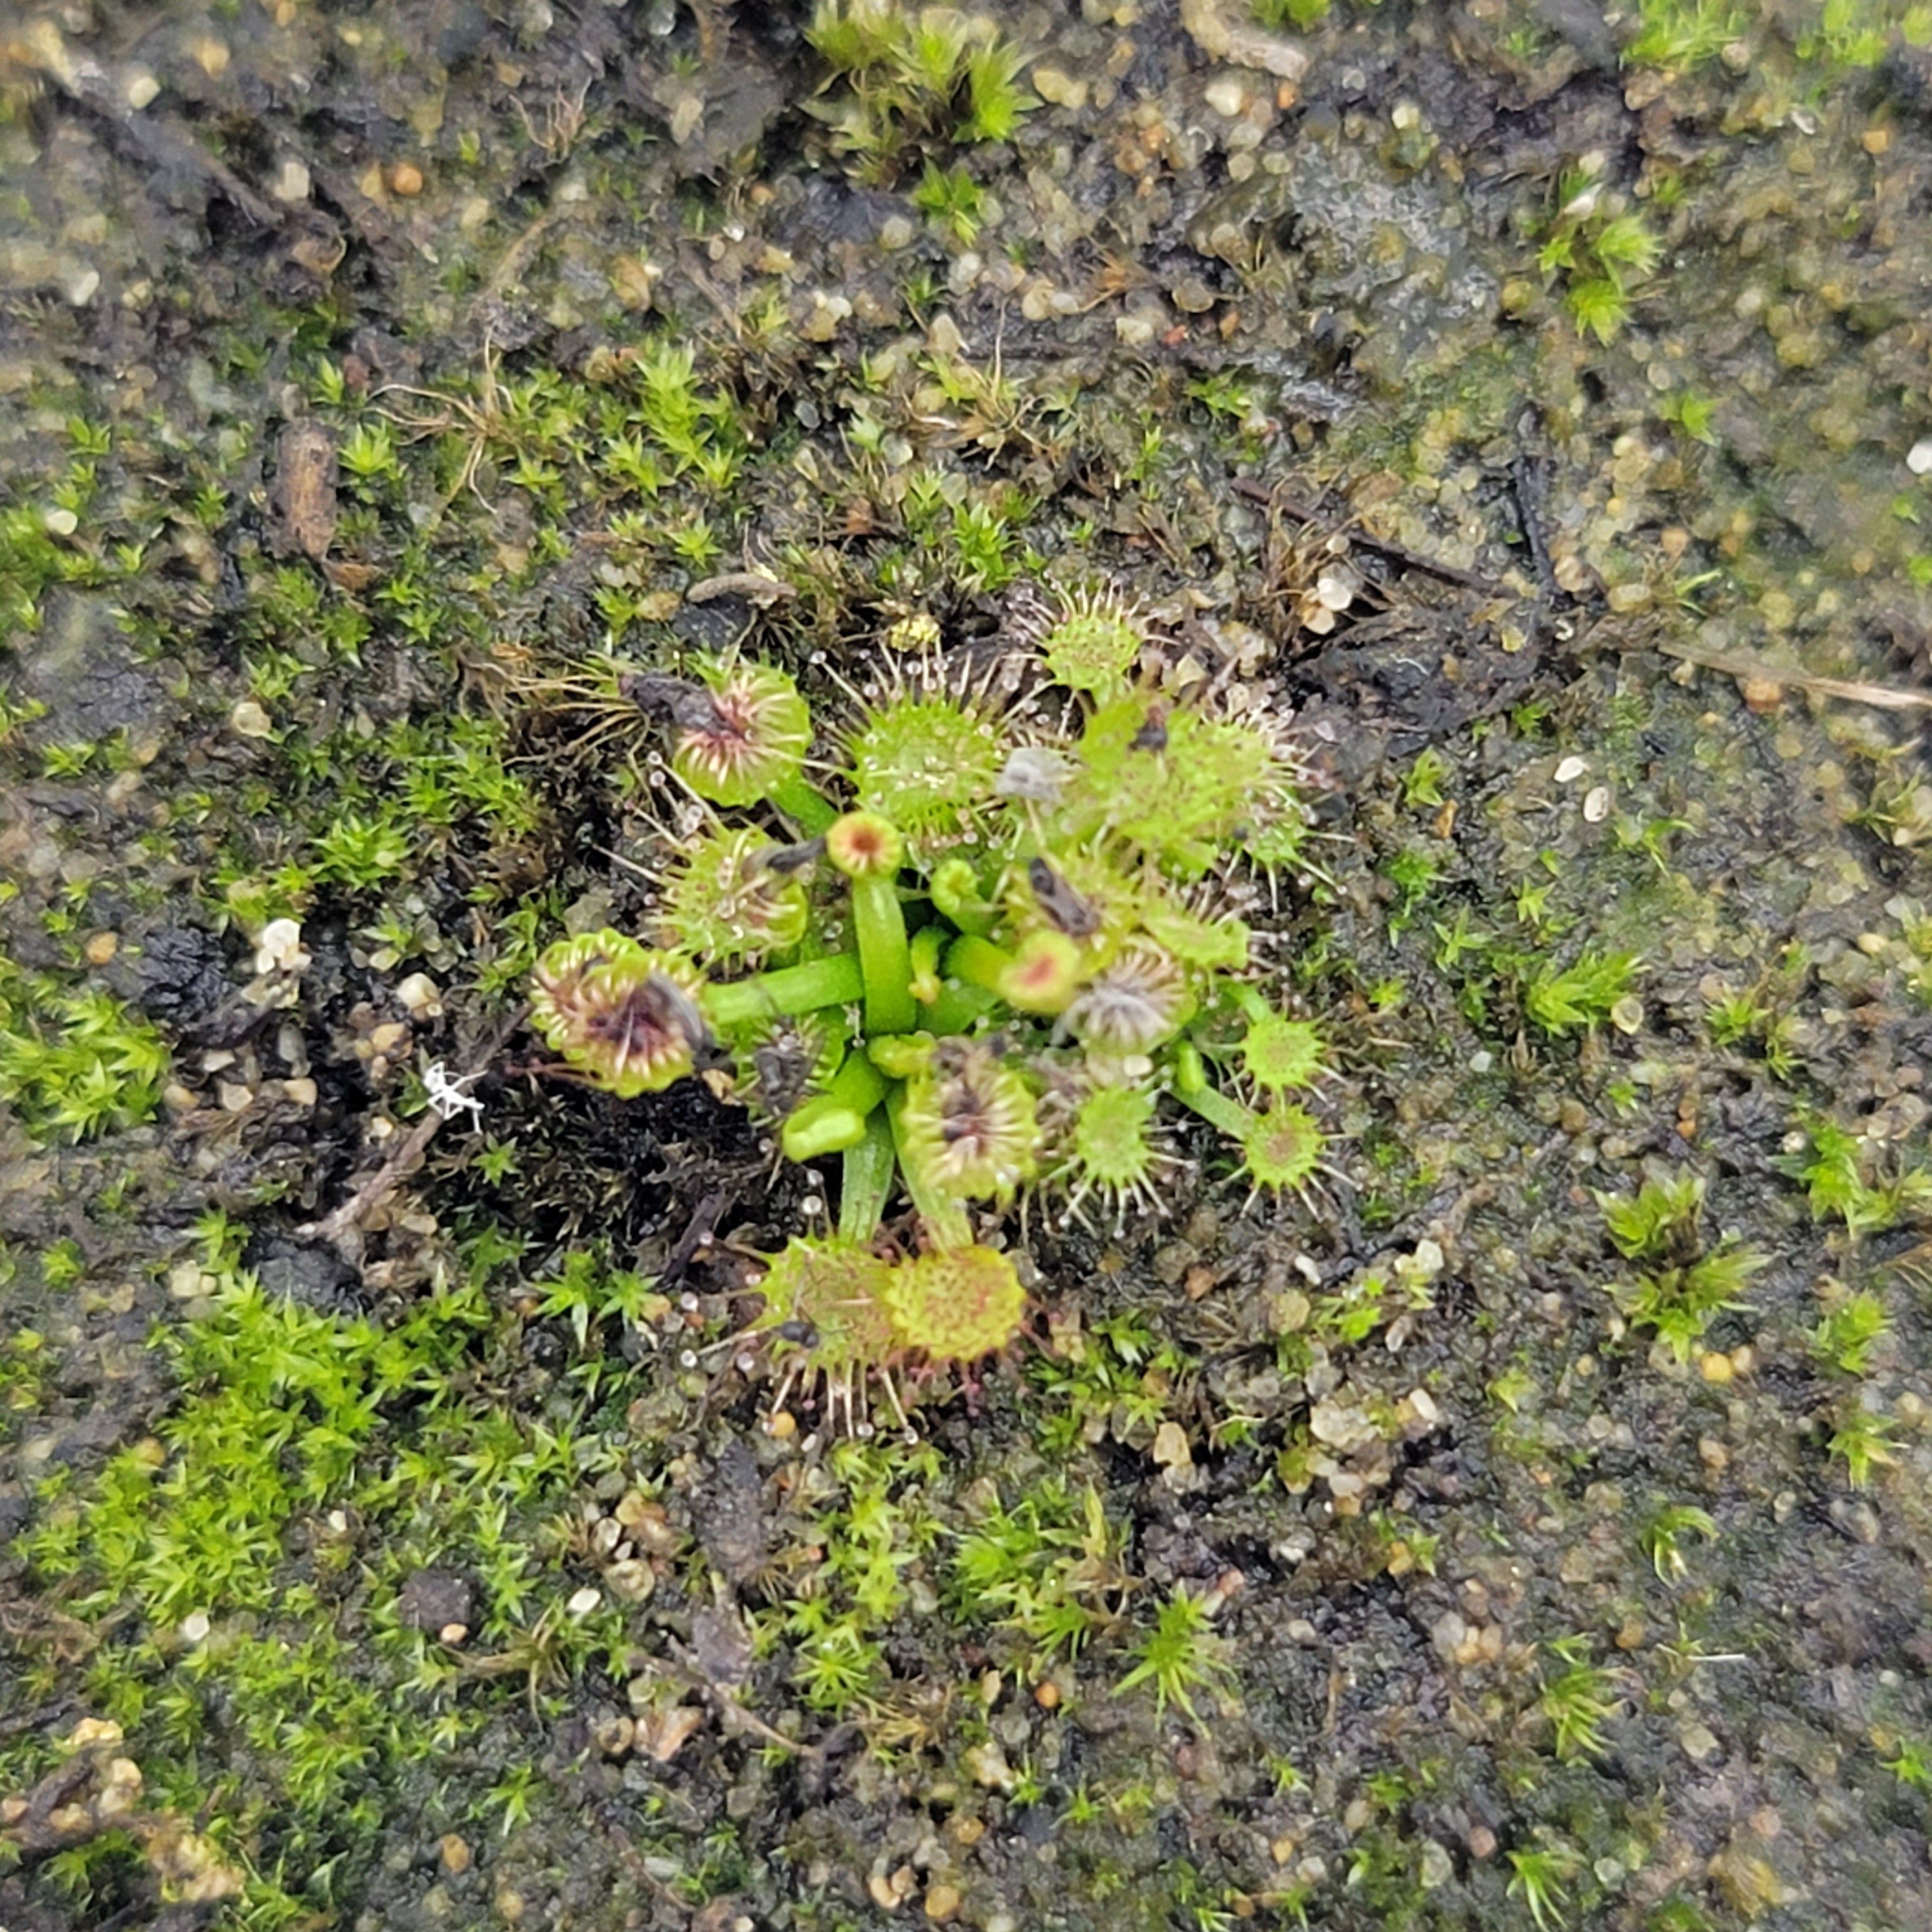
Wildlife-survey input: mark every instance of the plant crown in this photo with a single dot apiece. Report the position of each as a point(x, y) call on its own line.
point(1007, 917)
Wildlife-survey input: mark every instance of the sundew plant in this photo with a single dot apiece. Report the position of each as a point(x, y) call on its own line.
point(984, 942)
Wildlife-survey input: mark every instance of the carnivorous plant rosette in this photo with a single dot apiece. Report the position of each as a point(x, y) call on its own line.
point(1002, 932)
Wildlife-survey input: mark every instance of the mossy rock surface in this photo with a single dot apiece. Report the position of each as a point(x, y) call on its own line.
point(1532, 408)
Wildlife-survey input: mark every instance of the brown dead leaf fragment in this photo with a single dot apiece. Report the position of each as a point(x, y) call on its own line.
point(305, 499)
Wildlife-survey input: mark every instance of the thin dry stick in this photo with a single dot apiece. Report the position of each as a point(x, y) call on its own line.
point(343, 1222)
point(1742, 664)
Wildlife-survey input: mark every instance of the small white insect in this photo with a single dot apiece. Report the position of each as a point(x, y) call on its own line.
point(447, 1096)
point(1034, 773)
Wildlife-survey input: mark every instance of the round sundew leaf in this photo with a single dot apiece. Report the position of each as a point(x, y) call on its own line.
point(724, 904)
point(825, 1300)
point(1111, 1148)
point(957, 1304)
point(622, 1015)
point(1137, 1001)
point(1180, 786)
point(1279, 1054)
point(1094, 645)
point(1206, 945)
point(926, 763)
point(968, 1128)
point(1282, 1148)
point(758, 741)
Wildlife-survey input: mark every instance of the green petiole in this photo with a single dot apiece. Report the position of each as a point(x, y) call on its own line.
point(1191, 1088)
point(803, 806)
point(869, 852)
point(835, 981)
point(865, 1179)
point(835, 1121)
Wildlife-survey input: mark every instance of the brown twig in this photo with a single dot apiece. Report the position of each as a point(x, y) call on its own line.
point(338, 1225)
point(1745, 665)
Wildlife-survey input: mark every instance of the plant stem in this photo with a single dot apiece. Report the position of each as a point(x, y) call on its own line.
point(885, 959)
point(835, 1121)
point(866, 1181)
point(835, 981)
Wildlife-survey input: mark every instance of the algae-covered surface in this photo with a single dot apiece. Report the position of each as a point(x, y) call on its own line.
point(1520, 414)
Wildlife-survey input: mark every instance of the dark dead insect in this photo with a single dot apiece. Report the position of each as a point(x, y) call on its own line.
point(1152, 736)
point(789, 859)
point(1060, 904)
point(800, 1332)
point(951, 1056)
point(673, 701)
point(783, 1067)
point(677, 1012)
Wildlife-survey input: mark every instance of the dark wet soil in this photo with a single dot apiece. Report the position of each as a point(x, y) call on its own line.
point(437, 1584)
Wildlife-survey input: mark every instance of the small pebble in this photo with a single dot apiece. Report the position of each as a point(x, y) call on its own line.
point(406, 179)
point(1227, 94)
point(1062, 89)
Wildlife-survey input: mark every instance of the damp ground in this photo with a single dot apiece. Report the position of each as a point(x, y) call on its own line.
point(1525, 1525)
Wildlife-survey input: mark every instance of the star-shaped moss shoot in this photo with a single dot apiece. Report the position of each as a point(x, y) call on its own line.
point(831, 1335)
point(956, 1305)
point(738, 737)
point(623, 1016)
